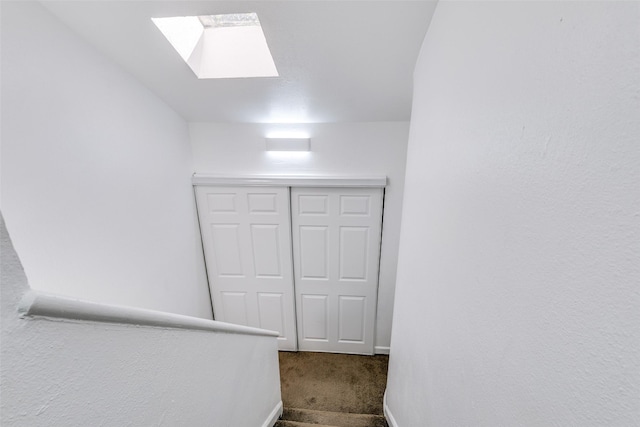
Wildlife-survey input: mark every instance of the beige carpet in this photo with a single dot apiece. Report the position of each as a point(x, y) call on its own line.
point(333, 382)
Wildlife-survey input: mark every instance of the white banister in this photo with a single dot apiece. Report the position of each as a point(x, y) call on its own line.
point(40, 304)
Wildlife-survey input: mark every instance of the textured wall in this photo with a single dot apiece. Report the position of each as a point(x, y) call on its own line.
point(95, 174)
point(72, 373)
point(341, 149)
point(518, 297)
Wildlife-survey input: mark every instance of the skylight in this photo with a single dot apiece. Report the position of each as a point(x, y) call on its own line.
point(220, 46)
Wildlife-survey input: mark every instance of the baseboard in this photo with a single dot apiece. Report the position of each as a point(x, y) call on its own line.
point(381, 350)
point(387, 412)
point(273, 416)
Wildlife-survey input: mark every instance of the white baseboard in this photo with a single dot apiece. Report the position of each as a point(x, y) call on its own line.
point(387, 412)
point(381, 350)
point(273, 416)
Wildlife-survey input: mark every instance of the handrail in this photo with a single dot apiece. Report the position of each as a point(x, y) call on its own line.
point(40, 304)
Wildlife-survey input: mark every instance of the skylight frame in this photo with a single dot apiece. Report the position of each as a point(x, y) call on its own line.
point(220, 46)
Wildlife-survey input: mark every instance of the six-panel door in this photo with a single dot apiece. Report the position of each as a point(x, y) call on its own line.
point(336, 249)
point(246, 233)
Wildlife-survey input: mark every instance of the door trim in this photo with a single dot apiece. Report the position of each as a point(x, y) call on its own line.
point(378, 181)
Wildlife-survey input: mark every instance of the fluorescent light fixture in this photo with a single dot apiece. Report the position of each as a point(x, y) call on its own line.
point(289, 156)
point(287, 131)
point(220, 46)
point(288, 144)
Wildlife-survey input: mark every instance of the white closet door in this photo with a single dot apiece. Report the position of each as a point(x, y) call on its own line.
point(336, 248)
point(246, 233)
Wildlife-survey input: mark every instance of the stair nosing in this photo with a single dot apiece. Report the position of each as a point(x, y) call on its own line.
point(302, 417)
point(302, 424)
point(334, 412)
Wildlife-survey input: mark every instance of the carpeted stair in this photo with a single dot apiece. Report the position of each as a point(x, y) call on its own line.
point(332, 390)
point(308, 417)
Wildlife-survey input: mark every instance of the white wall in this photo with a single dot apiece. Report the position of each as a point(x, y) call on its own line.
point(518, 297)
point(336, 149)
point(95, 174)
point(61, 373)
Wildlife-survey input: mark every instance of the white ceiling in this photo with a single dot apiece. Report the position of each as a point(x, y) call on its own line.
point(339, 61)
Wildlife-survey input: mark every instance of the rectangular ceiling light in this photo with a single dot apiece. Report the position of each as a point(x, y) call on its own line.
point(288, 144)
point(220, 46)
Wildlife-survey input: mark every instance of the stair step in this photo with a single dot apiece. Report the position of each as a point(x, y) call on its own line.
point(336, 419)
point(287, 423)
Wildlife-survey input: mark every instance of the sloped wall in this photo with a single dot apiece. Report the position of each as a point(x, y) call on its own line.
point(95, 174)
point(517, 297)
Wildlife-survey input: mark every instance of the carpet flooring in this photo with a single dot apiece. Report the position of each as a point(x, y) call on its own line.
point(333, 382)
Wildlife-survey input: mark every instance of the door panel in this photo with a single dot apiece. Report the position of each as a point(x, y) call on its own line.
point(263, 203)
point(266, 250)
point(221, 203)
point(354, 253)
point(314, 317)
point(226, 249)
point(336, 248)
point(314, 252)
point(354, 205)
point(271, 312)
point(312, 204)
point(246, 234)
point(351, 319)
